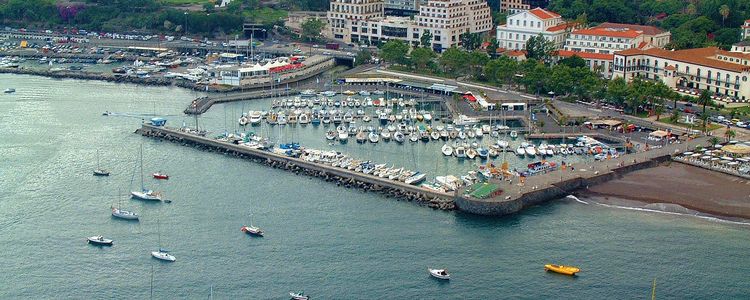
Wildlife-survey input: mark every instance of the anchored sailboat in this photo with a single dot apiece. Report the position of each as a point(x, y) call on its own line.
point(145, 194)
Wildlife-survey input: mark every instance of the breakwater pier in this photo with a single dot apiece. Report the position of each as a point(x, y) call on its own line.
point(556, 184)
point(339, 176)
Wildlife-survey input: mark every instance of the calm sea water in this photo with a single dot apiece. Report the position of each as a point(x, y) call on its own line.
point(329, 241)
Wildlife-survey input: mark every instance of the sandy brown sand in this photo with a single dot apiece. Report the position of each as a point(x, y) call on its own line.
point(692, 187)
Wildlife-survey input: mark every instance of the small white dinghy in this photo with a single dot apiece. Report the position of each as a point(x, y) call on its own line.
point(99, 240)
point(439, 273)
point(447, 150)
point(163, 254)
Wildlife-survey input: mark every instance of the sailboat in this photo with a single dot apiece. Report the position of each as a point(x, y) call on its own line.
point(252, 230)
point(162, 254)
point(121, 213)
point(99, 171)
point(145, 194)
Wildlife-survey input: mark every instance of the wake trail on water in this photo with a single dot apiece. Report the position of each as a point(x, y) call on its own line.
point(576, 199)
point(661, 210)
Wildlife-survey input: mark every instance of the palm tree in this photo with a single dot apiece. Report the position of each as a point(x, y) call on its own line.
point(724, 11)
point(713, 140)
point(729, 134)
point(704, 99)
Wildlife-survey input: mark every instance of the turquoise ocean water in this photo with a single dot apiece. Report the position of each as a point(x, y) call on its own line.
point(331, 242)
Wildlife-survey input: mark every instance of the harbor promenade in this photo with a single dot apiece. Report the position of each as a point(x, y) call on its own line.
point(349, 178)
point(563, 181)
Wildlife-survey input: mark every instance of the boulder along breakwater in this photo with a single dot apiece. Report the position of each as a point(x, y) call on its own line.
point(341, 177)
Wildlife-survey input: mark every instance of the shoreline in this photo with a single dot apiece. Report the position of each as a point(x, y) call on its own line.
point(690, 187)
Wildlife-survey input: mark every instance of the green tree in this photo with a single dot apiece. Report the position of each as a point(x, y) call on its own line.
point(713, 141)
point(492, 48)
point(395, 51)
point(421, 57)
point(476, 61)
point(426, 39)
point(454, 62)
point(363, 56)
point(470, 41)
point(311, 29)
point(574, 61)
point(724, 11)
point(539, 48)
point(690, 9)
point(729, 134)
point(208, 7)
point(562, 79)
point(617, 91)
point(501, 70)
point(704, 99)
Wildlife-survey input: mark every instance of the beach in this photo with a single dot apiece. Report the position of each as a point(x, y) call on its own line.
point(688, 186)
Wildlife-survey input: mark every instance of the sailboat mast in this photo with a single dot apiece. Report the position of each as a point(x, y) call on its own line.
point(152, 282)
point(141, 159)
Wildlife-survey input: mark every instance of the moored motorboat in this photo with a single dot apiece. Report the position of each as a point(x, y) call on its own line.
point(163, 254)
point(99, 240)
point(471, 153)
point(560, 269)
point(299, 296)
point(160, 175)
point(124, 214)
point(373, 137)
point(252, 230)
point(101, 172)
point(9, 90)
point(439, 273)
point(416, 178)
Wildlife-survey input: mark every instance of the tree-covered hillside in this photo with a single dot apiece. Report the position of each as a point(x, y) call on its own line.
point(147, 15)
point(693, 23)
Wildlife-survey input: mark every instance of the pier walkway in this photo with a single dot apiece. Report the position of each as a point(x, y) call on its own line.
point(368, 182)
point(561, 182)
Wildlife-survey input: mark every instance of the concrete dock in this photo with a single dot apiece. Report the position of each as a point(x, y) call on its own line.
point(562, 182)
point(346, 177)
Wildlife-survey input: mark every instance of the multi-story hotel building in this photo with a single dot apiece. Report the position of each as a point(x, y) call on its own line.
point(721, 72)
point(446, 20)
point(608, 38)
point(523, 25)
point(343, 12)
point(746, 30)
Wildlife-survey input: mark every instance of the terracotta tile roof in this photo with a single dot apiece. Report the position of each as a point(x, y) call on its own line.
point(611, 32)
point(642, 45)
point(544, 14)
point(585, 55)
point(699, 56)
point(515, 53)
point(562, 26)
point(649, 30)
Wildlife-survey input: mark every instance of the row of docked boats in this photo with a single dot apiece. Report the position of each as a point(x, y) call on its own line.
point(474, 150)
point(334, 116)
point(351, 102)
point(401, 132)
point(329, 93)
point(599, 151)
point(382, 170)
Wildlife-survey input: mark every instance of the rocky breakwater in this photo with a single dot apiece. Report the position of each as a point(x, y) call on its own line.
point(83, 75)
point(338, 176)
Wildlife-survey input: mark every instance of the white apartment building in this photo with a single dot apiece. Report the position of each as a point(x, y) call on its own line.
point(343, 12)
point(446, 20)
point(521, 26)
point(742, 46)
point(746, 30)
point(722, 72)
point(604, 40)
